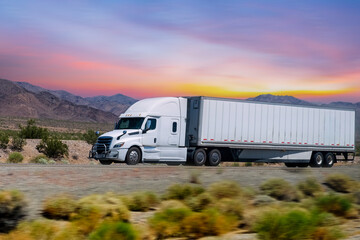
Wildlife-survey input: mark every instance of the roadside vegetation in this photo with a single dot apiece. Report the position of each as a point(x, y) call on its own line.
point(276, 210)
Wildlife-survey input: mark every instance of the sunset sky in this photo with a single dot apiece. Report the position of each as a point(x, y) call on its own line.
point(239, 49)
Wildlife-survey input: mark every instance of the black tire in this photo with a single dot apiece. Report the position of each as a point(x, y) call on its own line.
point(105, 162)
point(214, 158)
point(329, 160)
point(288, 164)
point(199, 157)
point(317, 160)
point(133, 156)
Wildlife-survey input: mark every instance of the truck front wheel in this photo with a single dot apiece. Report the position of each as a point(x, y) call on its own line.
point(214, 158)
point(133, 156)
point(199, 157)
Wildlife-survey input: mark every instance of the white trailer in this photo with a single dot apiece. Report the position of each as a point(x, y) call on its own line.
point(204, 130)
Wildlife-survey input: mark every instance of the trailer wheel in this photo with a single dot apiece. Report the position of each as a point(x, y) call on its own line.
point(199, 157)
point(317, 159)
point(133, 156)
point(289, 164)
point(105, 162)
point(329, 160)
point(214, 158)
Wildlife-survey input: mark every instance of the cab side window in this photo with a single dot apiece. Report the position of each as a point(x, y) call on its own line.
point(151, 122)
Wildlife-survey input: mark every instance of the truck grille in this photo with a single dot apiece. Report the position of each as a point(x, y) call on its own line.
point(101, 143)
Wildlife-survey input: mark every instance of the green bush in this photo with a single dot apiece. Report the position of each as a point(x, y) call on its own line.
point(336, 204)
point(52, 147)
point(18, 143)
point(59, 207)
point(207, 223)
point(15, 157)
point(309, 187)
point(90, 137)
point(41, 159)
point(231, 208)
point(183, 191)
point(280, 189)
point(199, 202)
point(114, 230)
point(12, 209)
point(31, 131)
point(291, 225)
point(224, 189)
point(108, 206)
point(4, 140)
point(167, 222)
point(296, 224)
point(142, 201)
point(339, 183)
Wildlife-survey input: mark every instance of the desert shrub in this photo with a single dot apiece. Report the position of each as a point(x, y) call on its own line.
point(109, 206)
point(31, 131)
point(261, 200)
point(52, 147)
point(309, 187)
point(64, 161)
point(18, 143)
point(142, 201)
point(231, 208)
point(224, 189)
point(41, 159)
point(167, 222)
point(327, 233)
point(207, 223)
point(248, 164)
point(274, 225)
point(280, 189)
point(59, 207)
point(15, 157)
point(114, 230)
point(12, 209)
point(183, 191)
point(4, 140)
point(90, 137)
point(51, 161)
point(45, 229)
point(336, 204)
point(199, 202)
point(339, 183)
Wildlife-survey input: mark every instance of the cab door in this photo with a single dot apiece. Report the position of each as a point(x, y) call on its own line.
point(150, 139)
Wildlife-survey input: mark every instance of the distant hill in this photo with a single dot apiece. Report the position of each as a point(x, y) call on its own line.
point(280, 99)
point(17, 101)
point(115, 104)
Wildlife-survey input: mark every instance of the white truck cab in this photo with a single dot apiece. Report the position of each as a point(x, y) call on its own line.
point(151, 130)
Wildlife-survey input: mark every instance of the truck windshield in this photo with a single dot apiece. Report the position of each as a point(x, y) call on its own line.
point(129, 123)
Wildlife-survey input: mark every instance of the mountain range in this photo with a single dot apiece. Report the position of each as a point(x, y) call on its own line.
point(17, 101)
point(23, 99)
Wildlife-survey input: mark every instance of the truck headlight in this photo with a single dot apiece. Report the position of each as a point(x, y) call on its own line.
point(119, 145)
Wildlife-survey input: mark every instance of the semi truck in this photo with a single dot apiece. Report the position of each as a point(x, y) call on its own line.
point(207, 131)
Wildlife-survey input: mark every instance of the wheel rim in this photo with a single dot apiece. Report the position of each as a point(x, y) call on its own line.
point(200, 157)
point(214, 157)
point(133, 156)
point(318, 160)
point(329, 160)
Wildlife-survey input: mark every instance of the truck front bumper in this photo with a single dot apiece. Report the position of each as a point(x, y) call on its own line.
point(118, 155)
